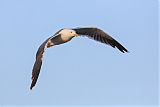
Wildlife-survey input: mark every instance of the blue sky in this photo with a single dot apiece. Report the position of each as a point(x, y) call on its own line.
point(83, 71)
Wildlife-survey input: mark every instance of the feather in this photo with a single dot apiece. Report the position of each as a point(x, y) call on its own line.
point(101, 36)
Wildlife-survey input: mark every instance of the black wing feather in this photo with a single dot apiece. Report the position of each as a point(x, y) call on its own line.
point(100, 36)
point(38, 63)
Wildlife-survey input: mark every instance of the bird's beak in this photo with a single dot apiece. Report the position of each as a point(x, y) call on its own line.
point(76, 34)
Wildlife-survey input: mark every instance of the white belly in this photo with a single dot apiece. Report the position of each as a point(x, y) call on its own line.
point(66, 37)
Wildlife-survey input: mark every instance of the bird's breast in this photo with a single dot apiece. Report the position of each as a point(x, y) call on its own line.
point(60, 39)
point(66, 38)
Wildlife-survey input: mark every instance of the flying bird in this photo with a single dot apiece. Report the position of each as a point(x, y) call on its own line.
point(65, 35)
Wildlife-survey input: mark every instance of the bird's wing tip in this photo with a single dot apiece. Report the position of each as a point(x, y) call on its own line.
point(31, 87)
point(125, 51)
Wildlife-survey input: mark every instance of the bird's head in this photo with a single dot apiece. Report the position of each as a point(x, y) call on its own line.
point(68, 32)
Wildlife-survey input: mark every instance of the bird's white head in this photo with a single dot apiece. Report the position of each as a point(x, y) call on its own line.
point(68, 32)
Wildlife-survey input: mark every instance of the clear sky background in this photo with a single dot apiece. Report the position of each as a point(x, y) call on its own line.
point(83, 71)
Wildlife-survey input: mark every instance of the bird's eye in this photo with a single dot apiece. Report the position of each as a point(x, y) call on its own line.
point(71, 32)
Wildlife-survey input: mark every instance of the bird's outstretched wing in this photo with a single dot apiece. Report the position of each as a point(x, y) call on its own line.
point(101, 36)
point(38, 63)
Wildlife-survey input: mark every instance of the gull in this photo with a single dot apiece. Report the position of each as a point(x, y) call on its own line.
point(65, 35)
